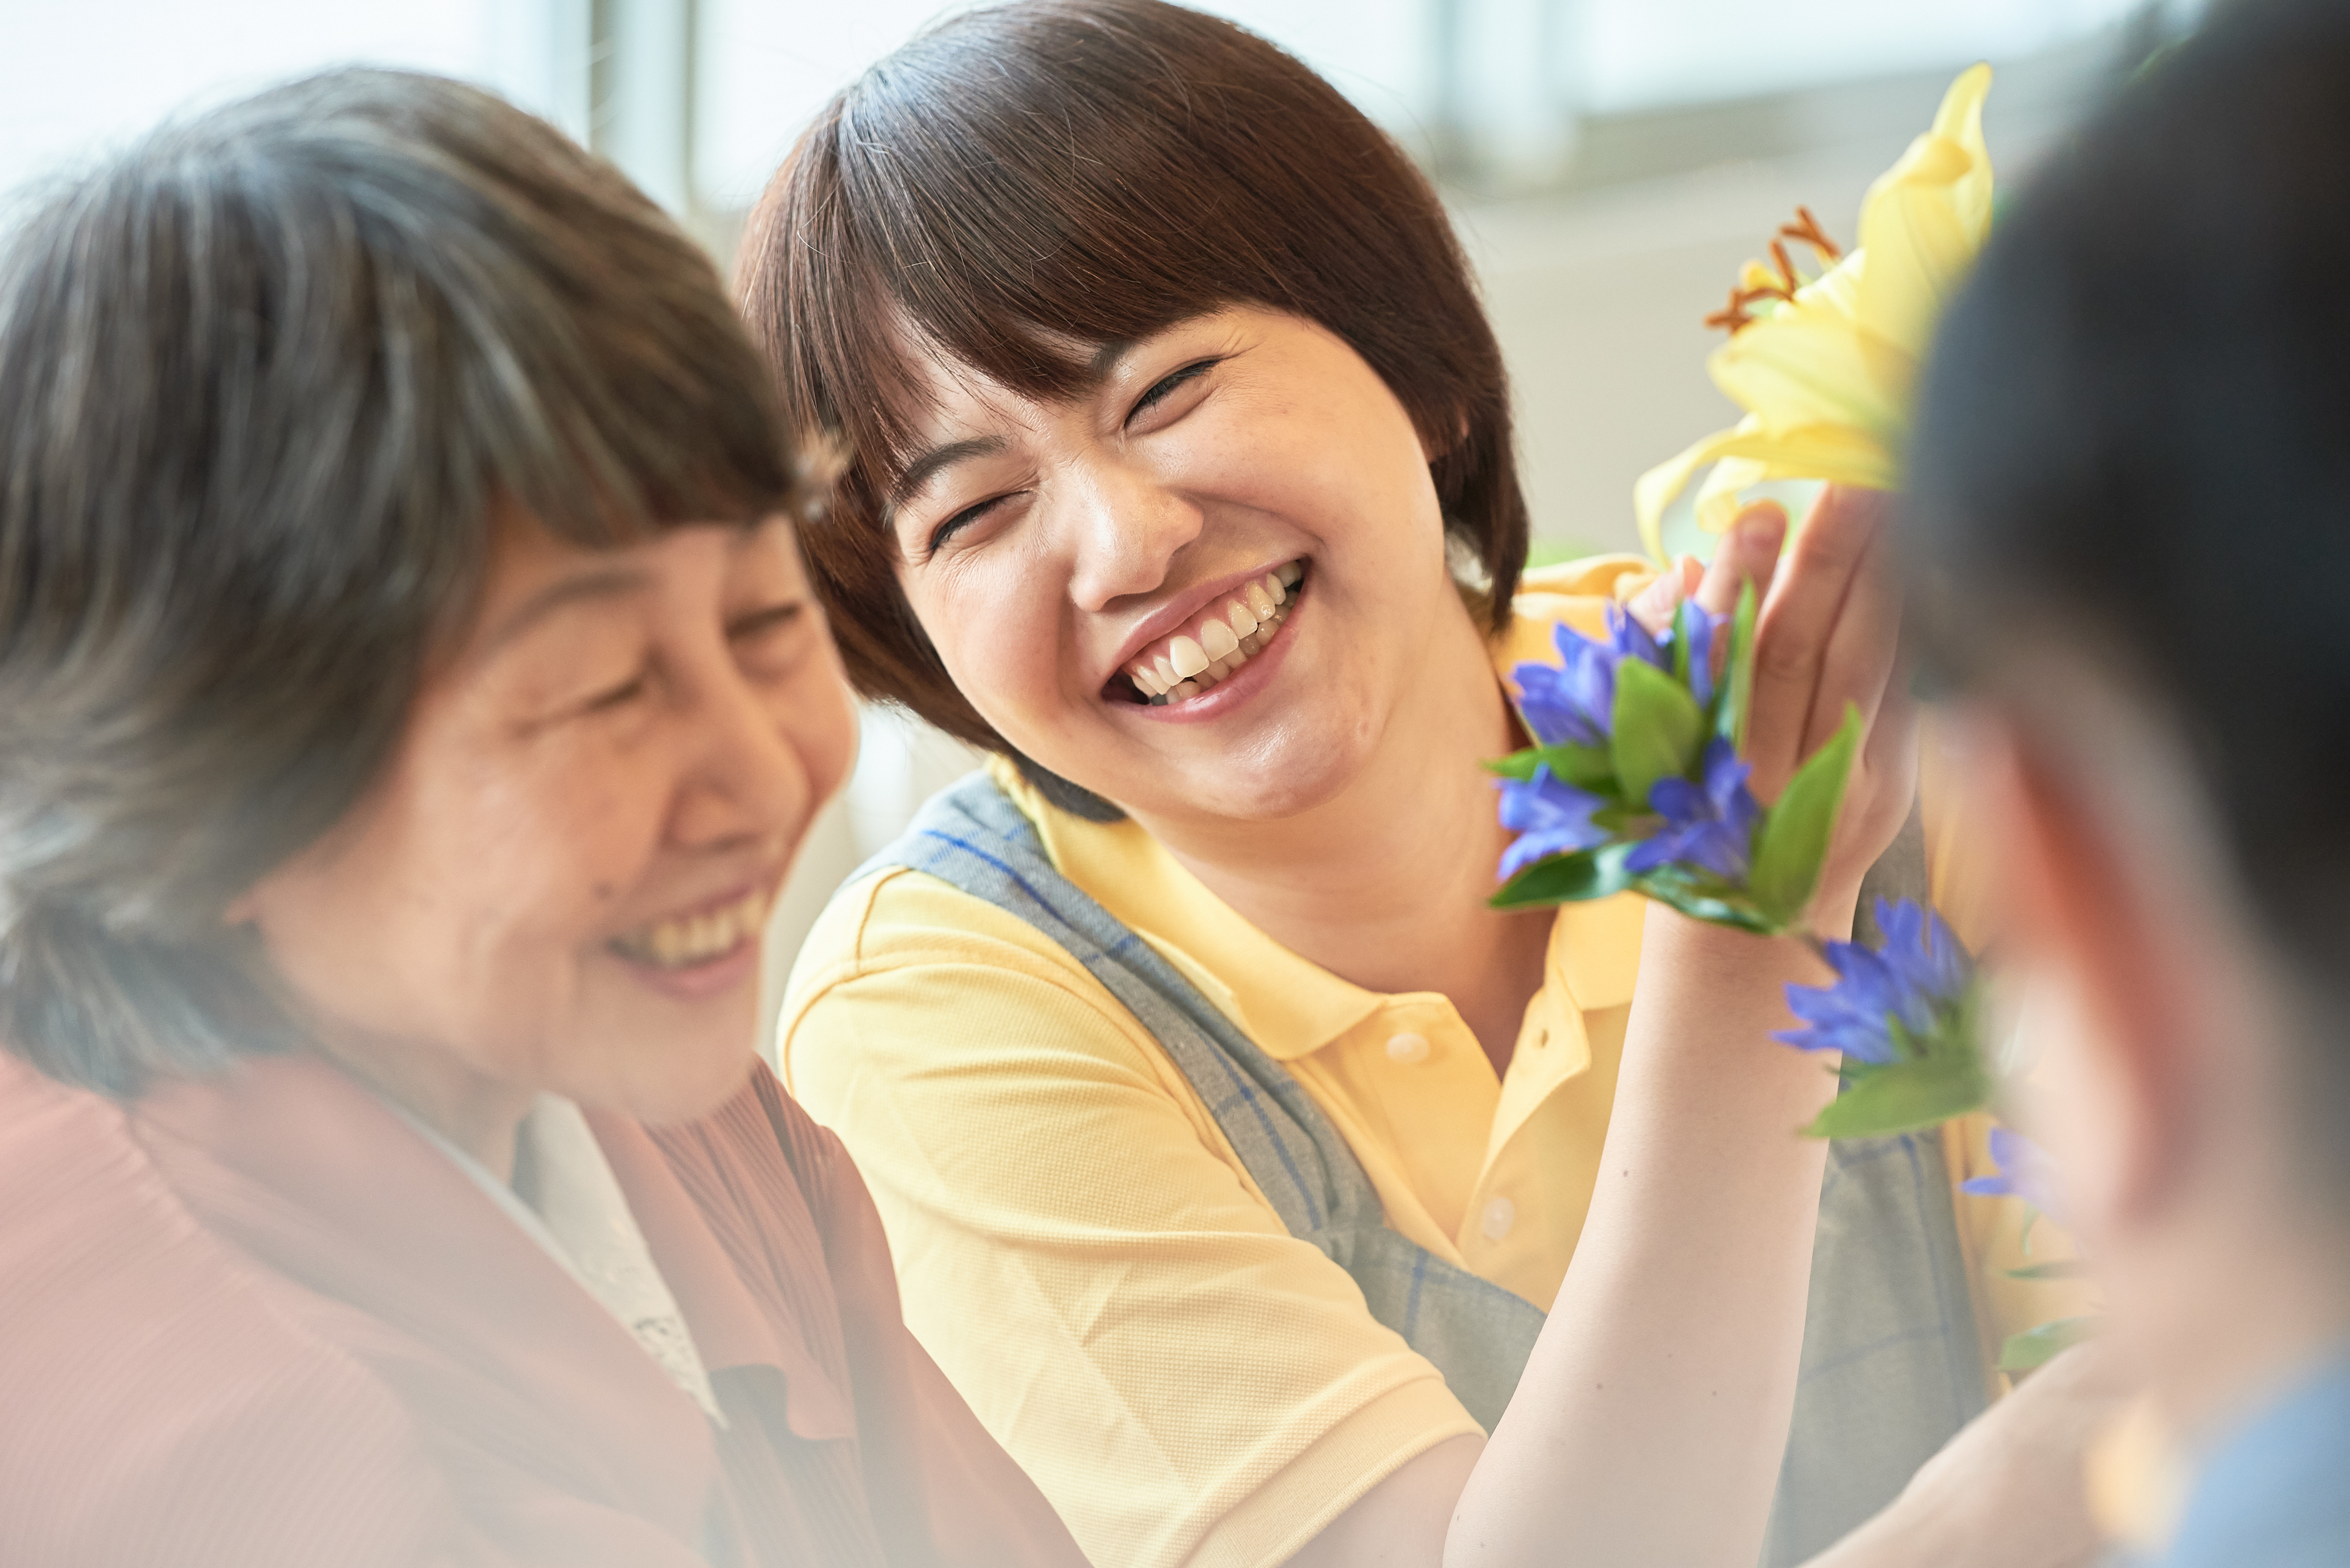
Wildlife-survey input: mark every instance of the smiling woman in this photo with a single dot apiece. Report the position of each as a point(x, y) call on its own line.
point(1325, 1213)
point(411, 698)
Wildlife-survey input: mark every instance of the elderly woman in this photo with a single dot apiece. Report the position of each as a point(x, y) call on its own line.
point(410, 700)
point(1321, 1211)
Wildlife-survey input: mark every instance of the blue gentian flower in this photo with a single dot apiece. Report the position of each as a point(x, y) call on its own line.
point(2025, 1171)
point(1550, 816)
point(1709, 826)
point(1573, 702)
point(1627, 639)
point(1920, 972)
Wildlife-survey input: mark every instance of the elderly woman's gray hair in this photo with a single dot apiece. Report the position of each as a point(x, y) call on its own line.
point(263, 382)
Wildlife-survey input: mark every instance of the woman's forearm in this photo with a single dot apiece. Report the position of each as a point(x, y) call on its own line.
point(1649, 1427)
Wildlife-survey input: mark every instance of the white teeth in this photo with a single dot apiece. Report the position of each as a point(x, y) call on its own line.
point(698, 939)
point(1236, 631)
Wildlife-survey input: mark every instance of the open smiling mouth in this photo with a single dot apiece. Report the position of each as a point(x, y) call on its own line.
point(689, 942)
point(1230, 633)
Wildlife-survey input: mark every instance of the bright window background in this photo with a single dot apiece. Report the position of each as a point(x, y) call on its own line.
point(1522, 66)
point(1611, 161)
point(78, 76)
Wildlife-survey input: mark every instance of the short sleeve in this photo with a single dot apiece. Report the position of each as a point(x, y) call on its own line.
point(1078, 1250)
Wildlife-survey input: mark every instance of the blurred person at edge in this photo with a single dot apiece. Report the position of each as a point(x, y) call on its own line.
point(1183, 1037)
point(2130, 534)
point(410, 700)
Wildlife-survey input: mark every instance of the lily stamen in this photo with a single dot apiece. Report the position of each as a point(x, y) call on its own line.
point(1805, 231)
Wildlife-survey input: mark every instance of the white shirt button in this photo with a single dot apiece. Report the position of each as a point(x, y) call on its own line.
point(1499, 1215)
point(1406, 1048)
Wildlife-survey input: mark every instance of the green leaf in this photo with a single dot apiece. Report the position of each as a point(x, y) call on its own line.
point(2063, 1269)
point(1585, 767)
point(1591, 768)
point(1713, 909)
point(1793, 845)
point(2037, 1346)
point(1658, 729)
point(1738, 675)
point(1904, 1097)
point(1683, 617)
point(1565, 879)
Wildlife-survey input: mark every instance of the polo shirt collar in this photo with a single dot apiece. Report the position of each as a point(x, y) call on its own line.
point(1289, 1005)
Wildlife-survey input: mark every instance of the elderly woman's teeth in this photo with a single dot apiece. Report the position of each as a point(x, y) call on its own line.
point(1233, 633)
point(697, 939)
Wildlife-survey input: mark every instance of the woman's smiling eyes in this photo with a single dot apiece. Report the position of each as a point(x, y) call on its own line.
point(1154, 398)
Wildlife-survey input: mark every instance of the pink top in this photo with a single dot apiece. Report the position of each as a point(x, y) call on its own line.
point(257, 1320)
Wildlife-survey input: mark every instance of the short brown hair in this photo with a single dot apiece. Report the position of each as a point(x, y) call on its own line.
point(1097, 171)
point(263, 379)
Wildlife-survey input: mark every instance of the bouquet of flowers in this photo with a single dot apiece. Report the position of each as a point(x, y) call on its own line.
point(1635, 781)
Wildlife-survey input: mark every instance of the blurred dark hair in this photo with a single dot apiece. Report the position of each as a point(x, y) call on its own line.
point(1053, 172)
point(261, 381)
point(2134, 439)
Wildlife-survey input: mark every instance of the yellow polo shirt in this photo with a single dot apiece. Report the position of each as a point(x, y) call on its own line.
point(1083, 1253)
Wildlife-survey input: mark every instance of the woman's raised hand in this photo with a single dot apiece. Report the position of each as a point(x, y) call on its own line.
point(1827, 636)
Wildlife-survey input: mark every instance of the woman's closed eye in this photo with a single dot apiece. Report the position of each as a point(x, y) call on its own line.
point(964, 519)
point(1167, 386)
point(768, 642)
point(618, 695)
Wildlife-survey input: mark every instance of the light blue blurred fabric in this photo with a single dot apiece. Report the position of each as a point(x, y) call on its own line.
point(2275, 1493)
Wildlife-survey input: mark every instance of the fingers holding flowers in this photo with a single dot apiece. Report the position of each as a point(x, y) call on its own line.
point(1645, 737)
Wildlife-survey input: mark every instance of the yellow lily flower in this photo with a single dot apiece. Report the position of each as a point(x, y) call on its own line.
point(1825, 367)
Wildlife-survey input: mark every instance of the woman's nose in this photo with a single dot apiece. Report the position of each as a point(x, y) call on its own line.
point(748, 779)
point(1124, 526)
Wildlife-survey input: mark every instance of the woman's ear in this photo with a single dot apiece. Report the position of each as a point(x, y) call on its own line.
point(1449, 435)
point(2114, 992)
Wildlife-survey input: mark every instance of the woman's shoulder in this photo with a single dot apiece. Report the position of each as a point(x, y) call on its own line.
point(896, 918)
point(903, 965)
point(162, 1403)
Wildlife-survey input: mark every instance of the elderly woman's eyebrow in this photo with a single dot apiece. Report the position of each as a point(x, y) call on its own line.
point(605, 583)
point(925, 468)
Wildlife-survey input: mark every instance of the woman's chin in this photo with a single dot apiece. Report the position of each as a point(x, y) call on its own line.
point(685, 1085)
point(674, 1052)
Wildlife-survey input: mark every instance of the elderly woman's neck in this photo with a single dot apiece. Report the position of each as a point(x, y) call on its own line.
point(477, 1116)
point(1385, 883)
